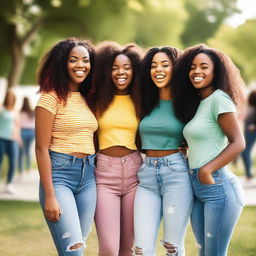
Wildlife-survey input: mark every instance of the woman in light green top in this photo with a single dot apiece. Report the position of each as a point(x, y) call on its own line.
point(207, 88)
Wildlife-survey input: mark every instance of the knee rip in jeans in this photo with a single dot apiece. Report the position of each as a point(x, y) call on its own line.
point(171, 250)
point(73, 246)
point(138, 251)
point(199, 247)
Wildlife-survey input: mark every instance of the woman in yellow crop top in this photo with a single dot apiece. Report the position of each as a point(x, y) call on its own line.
point(64, 144)
point(117, 111)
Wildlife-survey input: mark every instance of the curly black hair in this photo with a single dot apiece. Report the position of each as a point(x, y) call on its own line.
point(106, 53)
point(53, 74)
point(149, 90)
point(226, 77)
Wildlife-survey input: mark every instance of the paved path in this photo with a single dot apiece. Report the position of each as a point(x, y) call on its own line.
point(27, 189)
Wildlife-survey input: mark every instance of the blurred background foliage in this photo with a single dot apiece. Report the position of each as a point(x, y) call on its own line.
point(30, 27)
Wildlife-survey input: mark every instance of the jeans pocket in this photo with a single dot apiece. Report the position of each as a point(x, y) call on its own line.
point(216, 177)
point(60, 163)
point(238, 190)
point(179, 166)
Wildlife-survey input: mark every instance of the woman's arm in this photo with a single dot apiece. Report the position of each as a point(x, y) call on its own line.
point(230, 126)
point(43, 127)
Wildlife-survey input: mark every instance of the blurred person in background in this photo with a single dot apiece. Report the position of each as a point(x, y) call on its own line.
point(118, 160)
point(9, 137)
point(27, 126)
point(65, 149)
point(250, 134)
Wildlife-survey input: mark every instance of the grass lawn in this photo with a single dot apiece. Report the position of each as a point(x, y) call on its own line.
point(23, 232)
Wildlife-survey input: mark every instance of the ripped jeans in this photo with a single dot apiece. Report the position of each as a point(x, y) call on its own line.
point(164, 192)
point(216, 211)
point(75, 189)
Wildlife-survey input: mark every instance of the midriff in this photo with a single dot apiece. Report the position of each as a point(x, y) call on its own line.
point(160, 153)
point(80, 155)
point(116, 151)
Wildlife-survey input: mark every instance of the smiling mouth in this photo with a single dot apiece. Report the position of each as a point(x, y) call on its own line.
point(198, 79)
point(121, 81)
point(160, 78)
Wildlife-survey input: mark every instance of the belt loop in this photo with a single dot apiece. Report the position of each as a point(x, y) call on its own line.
point(74, 160)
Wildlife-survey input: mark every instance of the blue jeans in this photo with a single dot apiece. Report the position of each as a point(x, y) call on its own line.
point(164, 191)
point(216, 211)
point(250, 138)
point(27, 136)
point(75, 189)
point(10, 148)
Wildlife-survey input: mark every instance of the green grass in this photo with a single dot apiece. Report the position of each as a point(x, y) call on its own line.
point(24, 232)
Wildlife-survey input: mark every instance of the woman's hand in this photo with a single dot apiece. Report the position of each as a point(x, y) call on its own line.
point(205, 177)
point(52, 210)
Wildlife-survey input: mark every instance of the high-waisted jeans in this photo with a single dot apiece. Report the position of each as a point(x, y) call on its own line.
point(216, 210)
point(117, 181)
point(164, 191)
point(75, 189)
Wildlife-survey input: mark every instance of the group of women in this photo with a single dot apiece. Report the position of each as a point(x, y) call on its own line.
point(100, 109)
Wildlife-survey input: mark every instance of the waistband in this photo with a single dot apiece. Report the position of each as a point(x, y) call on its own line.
point(135, 155)
point(164, 160)
point(90, 159)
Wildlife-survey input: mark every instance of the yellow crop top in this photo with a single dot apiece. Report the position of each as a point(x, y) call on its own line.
point(118, 124)
point(74, 123)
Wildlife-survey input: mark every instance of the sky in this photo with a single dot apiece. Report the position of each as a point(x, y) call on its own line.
point(248, 11)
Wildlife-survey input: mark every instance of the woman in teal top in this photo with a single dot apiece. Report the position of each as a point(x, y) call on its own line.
point(206, 87)
point(165, 190)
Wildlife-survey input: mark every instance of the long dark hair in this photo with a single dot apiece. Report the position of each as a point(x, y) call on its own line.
point(149, 90)
point(106, 53)
point(53, 75)
point(27, 108)
point(226, 77)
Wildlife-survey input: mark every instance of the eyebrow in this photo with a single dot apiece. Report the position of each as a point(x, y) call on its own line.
point(126, 64)
point(162, 61)
point(203, 63)
point(85, 57)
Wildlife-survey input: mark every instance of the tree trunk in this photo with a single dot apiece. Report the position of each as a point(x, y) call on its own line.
point(17, 64)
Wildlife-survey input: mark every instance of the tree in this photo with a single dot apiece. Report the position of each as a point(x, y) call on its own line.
point(22, 20)
point(204, 19)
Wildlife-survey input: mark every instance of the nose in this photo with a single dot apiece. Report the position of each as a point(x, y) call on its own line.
point(80, 63)
point(120, 71)
point(158, 68)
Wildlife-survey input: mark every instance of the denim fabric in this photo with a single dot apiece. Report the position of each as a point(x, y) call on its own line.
point(250, 138)
point(75, 189)
point(164, 191)
point(27, 136)
point(10, 148)
point(216, 211)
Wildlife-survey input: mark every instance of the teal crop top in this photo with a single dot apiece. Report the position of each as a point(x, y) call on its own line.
point(161, 130)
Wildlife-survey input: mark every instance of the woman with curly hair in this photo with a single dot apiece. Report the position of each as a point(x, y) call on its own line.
point(207, 87)
point(164, 191)
point(64, 144)
point(118, 160)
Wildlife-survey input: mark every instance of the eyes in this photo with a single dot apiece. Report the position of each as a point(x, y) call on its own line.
point(74, 60)
point(154, 66)
point(203, 67)
point(126, 68)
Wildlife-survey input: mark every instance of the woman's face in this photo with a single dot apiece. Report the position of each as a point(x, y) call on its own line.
point(122, 73)
point(201, 71)
point(78, 66)
point(161, 70)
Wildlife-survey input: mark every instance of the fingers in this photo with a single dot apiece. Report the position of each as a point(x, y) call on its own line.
point(53, 215)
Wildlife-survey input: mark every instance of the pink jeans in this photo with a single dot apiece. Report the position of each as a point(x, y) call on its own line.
point(116, 179)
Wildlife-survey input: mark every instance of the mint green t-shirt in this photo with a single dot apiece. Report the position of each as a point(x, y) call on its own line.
point(6, 124)
point(203, 134)
point(161, 130)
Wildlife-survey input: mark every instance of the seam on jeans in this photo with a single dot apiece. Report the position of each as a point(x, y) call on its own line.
point(57, 234)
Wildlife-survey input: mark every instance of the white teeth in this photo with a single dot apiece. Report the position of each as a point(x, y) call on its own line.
point(198, 78)
point(160, 77)
point(79, 72)
point(121, 79)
